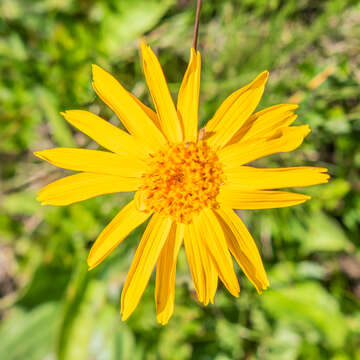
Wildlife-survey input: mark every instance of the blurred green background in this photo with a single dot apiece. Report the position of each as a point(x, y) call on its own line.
point(51, 307)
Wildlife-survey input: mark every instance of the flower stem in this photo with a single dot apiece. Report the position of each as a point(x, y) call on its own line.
point(196, 26)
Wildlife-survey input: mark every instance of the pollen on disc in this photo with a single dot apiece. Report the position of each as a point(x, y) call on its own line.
point(182, 179)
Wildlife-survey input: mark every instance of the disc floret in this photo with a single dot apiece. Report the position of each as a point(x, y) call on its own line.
point(182, 179)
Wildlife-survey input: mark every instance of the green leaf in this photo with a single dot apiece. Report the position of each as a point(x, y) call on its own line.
point(84, 301)
point(133, 19)
point(324, 234)
point(48, 283)
point(23, 203)
point(58, 126)
point(284, 344)
point(29, 335)
point(308, 306)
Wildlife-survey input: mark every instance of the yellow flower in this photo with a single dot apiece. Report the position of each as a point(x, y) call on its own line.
point(187, 181)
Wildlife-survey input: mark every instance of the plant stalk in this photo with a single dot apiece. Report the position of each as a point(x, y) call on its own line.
point(196, 26)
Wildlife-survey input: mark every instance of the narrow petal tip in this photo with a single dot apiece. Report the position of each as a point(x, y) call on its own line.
point(96, 70)
point(42, 154)
point(162, 320)
point(307, 130)
point(69, 115)
point(144, 46)
point(260, 80)
point(302, 130)
point(124, 315)
point(90, 261)
point(91, 265)
point(39, 154)
point(263, 287)
point(42, 202)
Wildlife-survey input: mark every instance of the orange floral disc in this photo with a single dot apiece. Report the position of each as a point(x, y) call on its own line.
point(182, 180)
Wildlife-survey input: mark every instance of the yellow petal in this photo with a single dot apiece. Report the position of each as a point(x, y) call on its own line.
point(149, 112)
point(234, 111)
point(240, 153)
point(105, 134)
point(212, 237)
point(96, 161)
point(166, 273)
point(79, 187)
point(202, 269)
point(261, 199)
point(188, 98)
point(210, 274)
point(247, 178)
point(115, 232)
point(212, 277)
point(140, 200)
point(265, 122)
point(143, 264)
point(130, 113)
point(194, 261)
point(243, 248)
point(160, 94)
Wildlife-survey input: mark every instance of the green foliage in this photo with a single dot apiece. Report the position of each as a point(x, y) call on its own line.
point(29, 335)
point(314, 309)
point(51, 307)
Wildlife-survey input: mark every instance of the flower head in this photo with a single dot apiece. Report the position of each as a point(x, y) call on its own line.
point(186, 181)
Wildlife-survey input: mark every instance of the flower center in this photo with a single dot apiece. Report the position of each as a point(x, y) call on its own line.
point(182, 179)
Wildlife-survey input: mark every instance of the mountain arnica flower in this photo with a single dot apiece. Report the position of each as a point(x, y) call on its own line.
point(186, 182)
